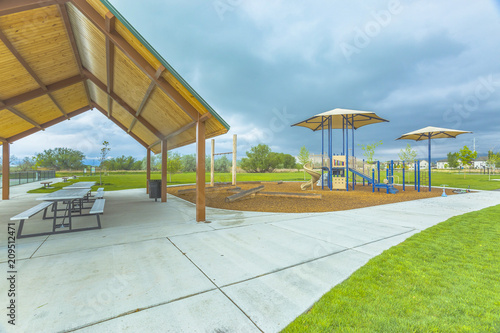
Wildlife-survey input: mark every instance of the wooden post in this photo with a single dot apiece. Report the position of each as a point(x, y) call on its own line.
point(148, 169)
point(5, 171)
point(164, 171)
point(200, 172)
point(234, 159)
point(212, 164)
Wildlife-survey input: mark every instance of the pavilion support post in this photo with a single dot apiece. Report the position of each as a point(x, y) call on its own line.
point(235, 146)
point(5, 171)
point(200, 172)
point(212, 164)
point(164, 170)
point(429, 162)
point(148, 169)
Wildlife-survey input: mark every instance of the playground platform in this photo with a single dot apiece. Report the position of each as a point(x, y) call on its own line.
point(153, 268)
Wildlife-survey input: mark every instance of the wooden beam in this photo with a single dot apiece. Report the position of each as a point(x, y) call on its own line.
point(235, 146)
point(146, 97)
point(48, 124)
point(14, 6)
point(86, 9)
point(13, 101)
point(212, 163)
point(22, 116)
point(3, 140)
point(5, 171)
point(71, 36)
point(117, 123)
point(200, 172)
point(110, 58)
point(192, 124)
point(148, 169)
point(123, 104)
point(164, 155)
point(28, 68)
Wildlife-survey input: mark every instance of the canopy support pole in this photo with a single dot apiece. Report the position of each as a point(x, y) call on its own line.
point(148, 169)
point(330, 152)
point(235, 147)
point(212, 163)
point(164, 154)
point(200, 172)
point(322, 150)
point(5, 171)
point(429, 162)
point(347, 155)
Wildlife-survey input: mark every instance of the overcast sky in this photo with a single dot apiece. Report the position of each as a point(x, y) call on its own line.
point(264, 65)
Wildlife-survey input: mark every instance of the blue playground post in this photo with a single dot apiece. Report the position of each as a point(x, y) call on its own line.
point(392, 172)
point(378, 174)
point(363, 171)
point(322, 151)
point(373, 180)
point(330, 153)
point(353, 174)
point(415, 175)
point(418, 175)
point(403, 176)
point(387, 177)
point(429, 162)
point(347, 155)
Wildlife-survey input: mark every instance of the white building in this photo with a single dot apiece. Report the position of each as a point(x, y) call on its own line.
point(480, 162)
point(442, 164)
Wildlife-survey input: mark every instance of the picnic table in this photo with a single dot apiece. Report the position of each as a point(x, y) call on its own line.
point(80, 185)
point(65, 179)
point(73, 199)
point(45, 184)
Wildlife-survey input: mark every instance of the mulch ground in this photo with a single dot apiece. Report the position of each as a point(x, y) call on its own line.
point(334, 200)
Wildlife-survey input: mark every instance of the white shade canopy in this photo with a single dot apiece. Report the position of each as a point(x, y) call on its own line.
point(355, 118)
point(431, 132)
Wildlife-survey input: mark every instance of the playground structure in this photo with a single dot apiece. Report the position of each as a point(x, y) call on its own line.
point(233, 166)
point(340, 166)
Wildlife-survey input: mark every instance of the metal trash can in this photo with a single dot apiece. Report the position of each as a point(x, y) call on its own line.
point(155, 189)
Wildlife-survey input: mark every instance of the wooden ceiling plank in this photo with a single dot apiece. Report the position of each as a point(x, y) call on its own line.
point(48, 124)
point(85, 8)
point(123, 104)
point(159, 72)
point(71, 36)
point(26, 118)
point(117, 123)
point(13, 101)
point(14, 6)
point(28, 68)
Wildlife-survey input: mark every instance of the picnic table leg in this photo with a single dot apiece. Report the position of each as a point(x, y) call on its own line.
point(55, 216)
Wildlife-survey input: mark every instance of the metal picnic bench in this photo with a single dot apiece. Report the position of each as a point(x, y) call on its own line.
point(73, 198)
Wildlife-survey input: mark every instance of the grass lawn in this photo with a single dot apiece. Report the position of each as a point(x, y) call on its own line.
point(444, 279)
point(128, 180)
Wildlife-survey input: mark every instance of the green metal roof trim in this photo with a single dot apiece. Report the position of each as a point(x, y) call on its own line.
point(124, 21)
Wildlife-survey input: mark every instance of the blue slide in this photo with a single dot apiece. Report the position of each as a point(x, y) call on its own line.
point(388, 187)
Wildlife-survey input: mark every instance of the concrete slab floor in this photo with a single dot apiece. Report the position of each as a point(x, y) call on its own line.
point(153, 268)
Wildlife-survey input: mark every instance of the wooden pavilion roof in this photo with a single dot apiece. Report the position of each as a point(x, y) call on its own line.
point(61, 58)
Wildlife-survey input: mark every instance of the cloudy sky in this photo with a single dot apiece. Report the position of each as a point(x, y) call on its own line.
point(264, 65)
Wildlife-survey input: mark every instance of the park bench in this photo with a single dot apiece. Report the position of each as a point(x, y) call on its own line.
point(27, 214)
point(45, 184)
point(100, 193)
point(98, 209)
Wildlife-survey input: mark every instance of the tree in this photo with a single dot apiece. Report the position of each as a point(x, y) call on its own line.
point(304, 158)
point(104, 152)
point(174, 163)
point(408, 154)
point(452, 160)
point(222, 164)
point(369, 150)
point(257, 159)
point(188, 163)
point(60, 159)
point(27, 163)
point(493, 160)
point(466, 156)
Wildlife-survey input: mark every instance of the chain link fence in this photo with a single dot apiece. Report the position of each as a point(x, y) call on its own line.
point(24, 177)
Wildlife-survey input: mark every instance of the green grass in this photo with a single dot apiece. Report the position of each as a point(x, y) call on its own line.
point(444, 279)
point(129, 180)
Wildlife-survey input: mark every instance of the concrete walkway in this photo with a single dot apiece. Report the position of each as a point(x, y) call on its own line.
point(152, 268)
